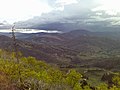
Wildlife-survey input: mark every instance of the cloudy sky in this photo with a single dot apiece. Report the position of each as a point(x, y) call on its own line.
point(64, 13)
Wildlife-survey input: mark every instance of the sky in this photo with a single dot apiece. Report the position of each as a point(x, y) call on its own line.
point(18, 10)
point(72, 13)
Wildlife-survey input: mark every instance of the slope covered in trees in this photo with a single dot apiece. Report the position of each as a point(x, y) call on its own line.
point(76, 48)
point(31, 74)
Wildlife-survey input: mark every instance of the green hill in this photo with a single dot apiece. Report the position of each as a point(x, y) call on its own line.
point(31, 74)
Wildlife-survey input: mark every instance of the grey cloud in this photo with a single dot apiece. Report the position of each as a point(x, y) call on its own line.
point(74, 16)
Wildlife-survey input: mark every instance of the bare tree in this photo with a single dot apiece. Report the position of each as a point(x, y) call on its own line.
point(16, 52)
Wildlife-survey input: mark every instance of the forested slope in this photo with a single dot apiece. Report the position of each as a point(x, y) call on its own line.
point(31, 74)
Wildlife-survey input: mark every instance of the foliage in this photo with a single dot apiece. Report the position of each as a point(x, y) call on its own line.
point(31, 74)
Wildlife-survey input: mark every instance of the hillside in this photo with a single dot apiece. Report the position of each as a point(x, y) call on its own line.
point(79, 48)
point(31, 74)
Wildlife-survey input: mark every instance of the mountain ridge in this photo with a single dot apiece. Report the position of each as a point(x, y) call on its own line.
point(65, 48)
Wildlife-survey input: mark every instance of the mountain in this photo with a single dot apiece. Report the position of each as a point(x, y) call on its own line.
point(87, 46)
point(76, 38)
point(79, 47)
point(5, 25)
point(65, 27)
point(45, 52)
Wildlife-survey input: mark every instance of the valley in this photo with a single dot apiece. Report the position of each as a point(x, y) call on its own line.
point(75, 48)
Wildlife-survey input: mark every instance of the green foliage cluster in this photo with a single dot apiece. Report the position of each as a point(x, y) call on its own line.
point(31, 74)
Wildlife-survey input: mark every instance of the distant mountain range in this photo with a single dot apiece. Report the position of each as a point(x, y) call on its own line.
point(66, 24)
point(5, 25)
point(57, 26)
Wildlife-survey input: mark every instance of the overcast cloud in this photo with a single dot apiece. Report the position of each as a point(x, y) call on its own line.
point(76, 14)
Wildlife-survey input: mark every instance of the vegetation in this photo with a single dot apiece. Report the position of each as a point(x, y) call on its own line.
point(72, 49)
point(31, 74)
point(83, 62)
